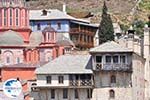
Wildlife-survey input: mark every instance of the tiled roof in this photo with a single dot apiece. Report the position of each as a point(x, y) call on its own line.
point(67, 64)
point(51, 14)
point(110, 46)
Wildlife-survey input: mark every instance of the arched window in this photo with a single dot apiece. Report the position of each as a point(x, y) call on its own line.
point(113, 79)
point(0, 17)
point(112, 94)
point(5, 17)
point(11, 12)
point(17, 14)
point(7, 59)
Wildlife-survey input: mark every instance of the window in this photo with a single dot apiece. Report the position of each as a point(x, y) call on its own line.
point(76, 94)
point(65, 93)
point(58, 25)
point(113, 79)
point(7, 59)
point(60, 79)
point(5, 16)
point(11, 17)
point(108, 59)
point(16, 17)
point(18, 60)
point(52, 94)
point(38, 26)
point(48, 79)
point(89, 93)
point(123, 59)
point(98, 59)
point(48, 24)
point(115, 59)
point(44, 12)
point(0, 17)
point(112, 94)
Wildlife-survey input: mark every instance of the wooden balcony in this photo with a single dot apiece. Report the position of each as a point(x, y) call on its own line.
point(79, 31)
point(113, 67)
point(83, 44)
point(81, 83)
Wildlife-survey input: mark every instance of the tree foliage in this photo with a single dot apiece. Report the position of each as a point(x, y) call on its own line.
point(106, 30)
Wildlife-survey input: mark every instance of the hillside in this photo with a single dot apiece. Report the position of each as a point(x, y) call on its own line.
point(122, 11)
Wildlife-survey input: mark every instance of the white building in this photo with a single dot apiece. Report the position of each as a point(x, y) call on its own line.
point(68, 77)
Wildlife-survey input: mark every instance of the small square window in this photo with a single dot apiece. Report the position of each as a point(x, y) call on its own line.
point(60, 79)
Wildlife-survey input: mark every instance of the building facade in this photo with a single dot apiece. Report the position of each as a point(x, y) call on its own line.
point(79, 31)
point(114, 73)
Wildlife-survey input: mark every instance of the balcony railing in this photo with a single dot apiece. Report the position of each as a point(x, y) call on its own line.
point(81, 83)
point(78, 31)
point(114, 67)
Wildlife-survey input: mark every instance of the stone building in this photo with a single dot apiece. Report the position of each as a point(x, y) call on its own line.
point(109, 72)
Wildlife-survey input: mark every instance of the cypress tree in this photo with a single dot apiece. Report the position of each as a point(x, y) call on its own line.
point(106, 30)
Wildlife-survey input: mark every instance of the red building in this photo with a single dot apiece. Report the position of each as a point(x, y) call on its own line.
point(22, 50)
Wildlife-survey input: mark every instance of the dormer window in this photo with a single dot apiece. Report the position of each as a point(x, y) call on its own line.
point(44, 12)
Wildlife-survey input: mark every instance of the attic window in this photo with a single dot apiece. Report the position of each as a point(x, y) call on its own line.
point(44, 12)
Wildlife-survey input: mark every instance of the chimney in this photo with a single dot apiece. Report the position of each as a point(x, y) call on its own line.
point(130, 43)
point(146, 41)
point(64, 8)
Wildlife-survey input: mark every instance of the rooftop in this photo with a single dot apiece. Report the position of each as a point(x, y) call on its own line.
point(67, 64)
point(109, 46)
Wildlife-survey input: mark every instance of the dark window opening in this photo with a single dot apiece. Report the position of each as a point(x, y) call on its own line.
point(48, 79)
point(115, 59)
point(98, 59)
point(58, 25)
point(123, 59)
point(89, 93)
point(113, 79)
point(112, 94)
point(76, 94)
point(52, 94)
point(38, 26)
point(60, 79)
point(108, 59)
point(65, 93)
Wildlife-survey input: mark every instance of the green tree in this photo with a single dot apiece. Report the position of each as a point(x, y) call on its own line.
point(106, 30)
